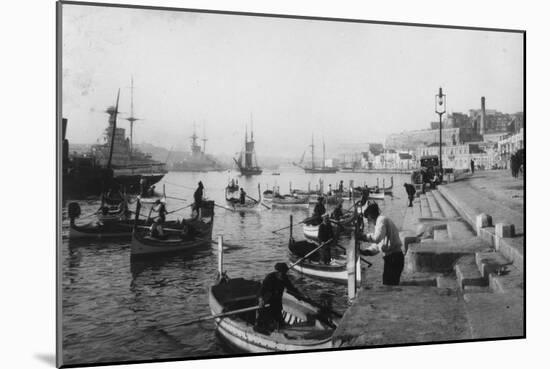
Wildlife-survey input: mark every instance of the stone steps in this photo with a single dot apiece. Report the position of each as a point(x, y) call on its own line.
point(459, 230)
point(434, 207)
point(446, 208)
point(441, 235)
point(447, 281)
point(419, 279)
point(424, 207)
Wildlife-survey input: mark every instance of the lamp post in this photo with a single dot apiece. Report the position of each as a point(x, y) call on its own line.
point(440, 107)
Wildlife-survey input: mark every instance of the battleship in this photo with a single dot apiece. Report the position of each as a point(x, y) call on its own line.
point(250, 166)
point(197, 160)
point(113, 163)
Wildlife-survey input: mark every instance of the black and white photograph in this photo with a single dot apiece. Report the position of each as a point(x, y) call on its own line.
point(233, 184)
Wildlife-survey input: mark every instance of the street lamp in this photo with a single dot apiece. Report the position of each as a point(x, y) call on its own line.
point(440, 107)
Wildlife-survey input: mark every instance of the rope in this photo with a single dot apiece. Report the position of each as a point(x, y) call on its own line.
point(178, 185)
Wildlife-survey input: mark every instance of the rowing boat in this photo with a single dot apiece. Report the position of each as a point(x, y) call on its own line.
point(305, 329)
point(191, 234)
point(289, 200)
point(312, 266)
point(344, 224)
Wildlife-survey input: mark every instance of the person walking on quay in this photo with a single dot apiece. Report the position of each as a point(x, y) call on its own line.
point(325, 234)
point(411, 191)
point(386, 239)
point(271, 292)
point(472, 165)
point(197, 196)
point(513, 165)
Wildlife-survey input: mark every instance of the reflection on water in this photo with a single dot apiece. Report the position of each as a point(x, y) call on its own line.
point(116, 308)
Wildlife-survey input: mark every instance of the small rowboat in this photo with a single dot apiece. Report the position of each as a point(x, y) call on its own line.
point(335, 271)
point(344, 224)
point(267, 195)
point(191, 234)
point(248, 205)
point(305, 329)
point(290, 200)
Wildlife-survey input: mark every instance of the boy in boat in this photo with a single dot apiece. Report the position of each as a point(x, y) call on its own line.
point(410, 192)
point(325, 233)
point(197, 196)
point(242, 196)
point(273, 286)
point(386, 237)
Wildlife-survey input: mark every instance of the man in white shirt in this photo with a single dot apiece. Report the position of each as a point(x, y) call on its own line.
point(385, 239)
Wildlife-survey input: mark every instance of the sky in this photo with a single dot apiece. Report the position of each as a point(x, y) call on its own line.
point(341, 82)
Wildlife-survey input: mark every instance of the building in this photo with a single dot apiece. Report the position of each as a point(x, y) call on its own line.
point(459, 156)
point(409, 141)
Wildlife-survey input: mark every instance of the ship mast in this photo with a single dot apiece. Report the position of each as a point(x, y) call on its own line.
point(312, 153)
point(204, 139)
point(323, 152)
point(114, 114)
point(131, 118)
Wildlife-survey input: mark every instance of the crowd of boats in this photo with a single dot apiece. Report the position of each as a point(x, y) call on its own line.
point(152, 231)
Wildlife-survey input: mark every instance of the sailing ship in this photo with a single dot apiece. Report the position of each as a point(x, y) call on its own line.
point(313, 169)
point(197, 160)
point(250, 166)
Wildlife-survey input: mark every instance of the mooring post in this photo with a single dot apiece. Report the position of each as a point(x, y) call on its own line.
point(291, 221)
point(383, 183)
point(377, 182)
point(309, 187)
point(352, 191)
point(351, 264)
point(220, 256)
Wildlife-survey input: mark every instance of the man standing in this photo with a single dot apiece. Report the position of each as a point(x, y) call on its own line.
point(386, 238)
point(318, 211)
point(242, 196)
point(472, 165)
point(325, 234)
point(271, 292)
point(410, 193)
point(197, 196)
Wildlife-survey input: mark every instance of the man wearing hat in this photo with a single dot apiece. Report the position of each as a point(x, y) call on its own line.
point(271, 292)
point(386, 239)
point(318, 211)
point(197, 196)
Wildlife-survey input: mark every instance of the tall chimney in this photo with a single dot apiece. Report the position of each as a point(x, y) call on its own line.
point(482, 122)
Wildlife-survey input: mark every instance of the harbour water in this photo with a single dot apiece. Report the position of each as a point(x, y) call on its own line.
point(119, 309)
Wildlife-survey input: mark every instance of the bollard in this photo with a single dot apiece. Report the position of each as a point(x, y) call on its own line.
point(505, 230)
point(351, 268)
point(483, 221)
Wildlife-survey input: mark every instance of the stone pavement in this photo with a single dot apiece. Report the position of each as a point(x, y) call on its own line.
point(458, 284)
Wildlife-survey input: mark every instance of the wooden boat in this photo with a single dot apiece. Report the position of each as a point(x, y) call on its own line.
point(290, 200)
point(344, 224)
point(191, 234)
point(306, 328)
point(249, 204)
point(312, 266)
point(267, 195)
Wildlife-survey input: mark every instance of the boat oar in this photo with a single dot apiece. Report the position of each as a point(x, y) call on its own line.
point(175, 198)
point(369, 264)
point(280, 229)
point(185, 207)
point(253, 199)
point(308, 254)
point(221, 315)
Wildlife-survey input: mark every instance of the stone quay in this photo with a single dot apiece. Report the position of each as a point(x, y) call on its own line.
point(464, 270)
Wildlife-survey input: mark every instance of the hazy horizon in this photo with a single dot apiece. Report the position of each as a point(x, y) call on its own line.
point(346, 82)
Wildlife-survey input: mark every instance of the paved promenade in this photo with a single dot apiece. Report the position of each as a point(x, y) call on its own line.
point(460, 281)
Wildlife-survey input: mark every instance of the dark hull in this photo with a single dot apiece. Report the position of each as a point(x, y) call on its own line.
point(321, 170)
point(250, 172)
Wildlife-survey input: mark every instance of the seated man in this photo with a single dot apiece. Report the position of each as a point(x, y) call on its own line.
point(271, 292)
point(337, 213)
